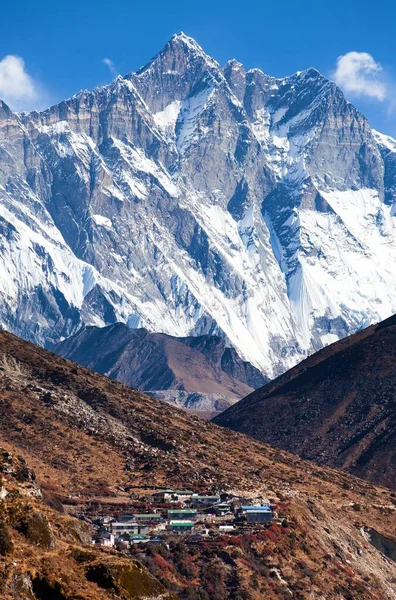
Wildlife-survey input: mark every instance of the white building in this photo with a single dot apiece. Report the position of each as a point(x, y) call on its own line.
point(103, 538)
point(120, 527)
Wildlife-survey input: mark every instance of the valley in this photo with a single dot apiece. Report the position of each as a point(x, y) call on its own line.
point(89, 439)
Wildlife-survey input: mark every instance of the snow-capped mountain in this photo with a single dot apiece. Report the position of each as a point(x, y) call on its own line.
point(190, 199)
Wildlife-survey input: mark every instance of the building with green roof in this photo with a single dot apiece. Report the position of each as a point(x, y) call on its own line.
point(182, 513)
point(181, 526)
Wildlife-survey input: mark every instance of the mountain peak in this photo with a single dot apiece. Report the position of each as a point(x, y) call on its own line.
point(235, 65)
point(4, 108)
point(174, 71)
point(181, 35)
point(182, 38)
point(234, 72)
point(307, 74)
point(189, 44)
point(179, 44)
point(311, 72)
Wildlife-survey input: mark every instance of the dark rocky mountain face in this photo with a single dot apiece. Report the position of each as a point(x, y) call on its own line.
point(94, 442)
point(387, 146)
point(338, 407)
point(200, 373)
point(192, 200)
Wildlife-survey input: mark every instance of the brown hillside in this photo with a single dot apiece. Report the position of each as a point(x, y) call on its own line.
point(92, 437)
point(338, 407)
point(44, 555)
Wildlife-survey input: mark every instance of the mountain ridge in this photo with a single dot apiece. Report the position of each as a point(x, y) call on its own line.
point(194, 200)
point(337, 407)
point(211, 374)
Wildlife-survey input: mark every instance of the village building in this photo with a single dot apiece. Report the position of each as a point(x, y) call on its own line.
point(195, 538)
point(226, 528)
point(162, 495)
point(169, 495)
point(204, 501)
point(139, 539)
point(103, 538)
point(181, 527)
point(120, 527)
point(223, 508)
point(182, 513)
point(105, 520)
point(123, 541)
point(182, 495)
point(126, 517)
point(155, 541)
point(124, 537)
point(149, 518)
point(257, 514)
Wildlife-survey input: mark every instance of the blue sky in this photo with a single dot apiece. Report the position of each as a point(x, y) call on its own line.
point(63, 44)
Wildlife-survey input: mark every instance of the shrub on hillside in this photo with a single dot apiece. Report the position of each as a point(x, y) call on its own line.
point(6, 545)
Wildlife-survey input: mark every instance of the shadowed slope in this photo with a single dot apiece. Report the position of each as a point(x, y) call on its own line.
point(337, 407)
point(203, 365)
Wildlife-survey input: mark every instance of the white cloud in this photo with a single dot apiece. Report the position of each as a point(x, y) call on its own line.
point(358, 74)
point(111, 66)
point(17, 87)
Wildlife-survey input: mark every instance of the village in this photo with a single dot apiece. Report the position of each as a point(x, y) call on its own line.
point(162, 515)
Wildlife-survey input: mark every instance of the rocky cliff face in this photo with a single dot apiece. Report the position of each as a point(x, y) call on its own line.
point(191, 199)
